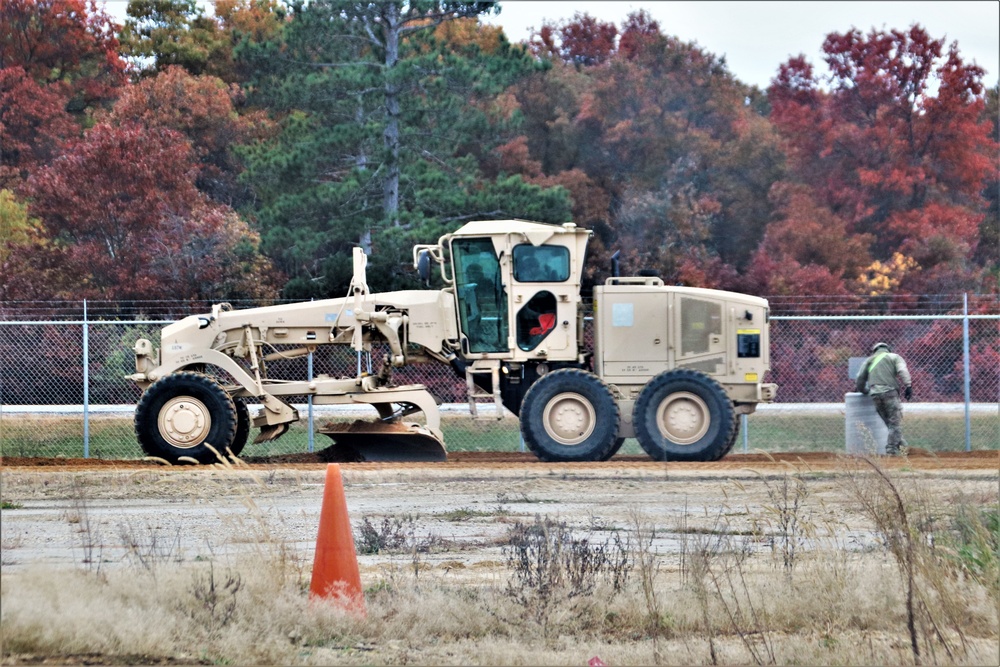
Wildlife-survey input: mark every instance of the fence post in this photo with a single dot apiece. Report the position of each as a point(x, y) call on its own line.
point(309, 400)
point(86, 383)
point(746, 435)
point(966, 372)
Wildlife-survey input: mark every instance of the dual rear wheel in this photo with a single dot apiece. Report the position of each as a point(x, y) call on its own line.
point(681, 415)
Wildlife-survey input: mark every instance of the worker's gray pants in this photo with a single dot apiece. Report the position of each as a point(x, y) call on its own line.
point(890, 409)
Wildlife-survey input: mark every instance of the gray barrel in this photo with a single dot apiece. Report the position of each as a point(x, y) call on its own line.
point(864, 430)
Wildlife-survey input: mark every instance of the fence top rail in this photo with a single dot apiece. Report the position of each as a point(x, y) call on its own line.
point(886, 317)
point(81, 322)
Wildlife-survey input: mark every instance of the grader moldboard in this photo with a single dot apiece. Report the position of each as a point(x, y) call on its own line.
point(670, 366)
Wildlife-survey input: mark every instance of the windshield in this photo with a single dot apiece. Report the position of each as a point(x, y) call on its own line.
point(541, 264)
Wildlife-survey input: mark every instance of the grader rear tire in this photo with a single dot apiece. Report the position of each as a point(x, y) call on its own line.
point(732, 441)
point(569, 415)
point(242, 427)
point(614, 449)
point(684, 415)
point(182, 413)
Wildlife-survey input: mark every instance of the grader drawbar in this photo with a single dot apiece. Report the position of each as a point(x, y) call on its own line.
point(673, 367)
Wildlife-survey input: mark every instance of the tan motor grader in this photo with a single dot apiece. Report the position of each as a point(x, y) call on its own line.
point(670, 366)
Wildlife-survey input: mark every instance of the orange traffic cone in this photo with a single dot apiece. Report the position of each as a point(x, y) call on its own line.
point(335, 568)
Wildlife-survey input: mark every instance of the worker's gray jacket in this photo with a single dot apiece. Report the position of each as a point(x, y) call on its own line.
point(880, 371)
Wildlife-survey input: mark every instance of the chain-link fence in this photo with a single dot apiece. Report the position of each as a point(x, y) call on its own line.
point(63, 392)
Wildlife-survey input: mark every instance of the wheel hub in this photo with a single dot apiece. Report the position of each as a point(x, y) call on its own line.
point(184, 422)
point(683, 418)
point(569, 418)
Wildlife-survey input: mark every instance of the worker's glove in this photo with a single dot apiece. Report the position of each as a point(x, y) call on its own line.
point(908, 393)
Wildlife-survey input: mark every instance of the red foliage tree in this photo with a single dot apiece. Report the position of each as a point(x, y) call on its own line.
point(897, 147)
point(638, 31)
point(203, 109)
point(582, 40)
point(71, 43)
point(33, 122)
point(125, 221)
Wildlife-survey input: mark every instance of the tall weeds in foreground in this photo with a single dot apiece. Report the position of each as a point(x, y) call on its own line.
point(550, 567)
point(907, 523)
point(87, 531)
point(647, 565)
point(787, 498)
point(719, 576)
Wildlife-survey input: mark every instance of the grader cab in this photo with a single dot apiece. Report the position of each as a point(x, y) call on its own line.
point(670, 366)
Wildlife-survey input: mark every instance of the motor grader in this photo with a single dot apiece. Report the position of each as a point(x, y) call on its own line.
point(670, 366)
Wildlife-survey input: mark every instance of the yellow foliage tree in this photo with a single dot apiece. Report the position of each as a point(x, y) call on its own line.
point(882, 277)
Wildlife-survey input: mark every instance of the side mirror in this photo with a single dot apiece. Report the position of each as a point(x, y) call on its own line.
point(424, 266)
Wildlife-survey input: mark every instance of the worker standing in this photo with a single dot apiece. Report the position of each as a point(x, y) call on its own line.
point(882, 372)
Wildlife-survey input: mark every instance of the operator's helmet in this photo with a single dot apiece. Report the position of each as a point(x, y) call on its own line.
point(881, 344)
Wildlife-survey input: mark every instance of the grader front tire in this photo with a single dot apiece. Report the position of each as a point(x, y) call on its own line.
point(181, 414)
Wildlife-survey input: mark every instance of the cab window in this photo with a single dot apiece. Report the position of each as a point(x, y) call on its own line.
point(482, 299)
point(700, 320)
point(541, 264)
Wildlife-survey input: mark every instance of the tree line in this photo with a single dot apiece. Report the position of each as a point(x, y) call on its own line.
point(243, 155)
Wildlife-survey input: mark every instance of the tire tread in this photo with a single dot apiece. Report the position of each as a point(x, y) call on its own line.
point(719, 446)
point(534, 433)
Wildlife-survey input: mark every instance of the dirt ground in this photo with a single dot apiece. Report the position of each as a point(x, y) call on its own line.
point(63, 517)
point(59, 511)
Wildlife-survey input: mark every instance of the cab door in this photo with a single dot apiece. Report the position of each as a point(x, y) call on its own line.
point(481, 296)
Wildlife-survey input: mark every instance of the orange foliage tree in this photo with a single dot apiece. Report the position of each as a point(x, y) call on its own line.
point(896, 148)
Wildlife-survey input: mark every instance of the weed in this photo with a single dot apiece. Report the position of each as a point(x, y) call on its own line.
point(8, 505)
point(216, 600)
point(502, 508)
point(148, 549)
point(550, 566)
point(647, 563)
point(718, 567)
point(907, 523)
point(390, 535)
point(463, 514)
point(90, 538)
point(972, 541)
point(787, 498)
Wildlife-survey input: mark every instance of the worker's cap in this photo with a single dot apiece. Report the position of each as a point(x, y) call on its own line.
point(880, 344)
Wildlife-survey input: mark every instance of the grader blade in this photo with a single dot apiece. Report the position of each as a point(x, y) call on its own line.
point(376, 441)
point(268, 433)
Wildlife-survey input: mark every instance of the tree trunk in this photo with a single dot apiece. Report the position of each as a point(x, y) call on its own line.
point(390, 187)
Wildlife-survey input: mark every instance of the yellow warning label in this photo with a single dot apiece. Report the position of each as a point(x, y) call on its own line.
point(750, 377)
point(748, 331)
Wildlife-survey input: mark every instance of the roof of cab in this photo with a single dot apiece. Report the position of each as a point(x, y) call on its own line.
point(526, 227)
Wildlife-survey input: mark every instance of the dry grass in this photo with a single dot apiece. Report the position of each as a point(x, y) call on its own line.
point(852, 614)
point(766, 584)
